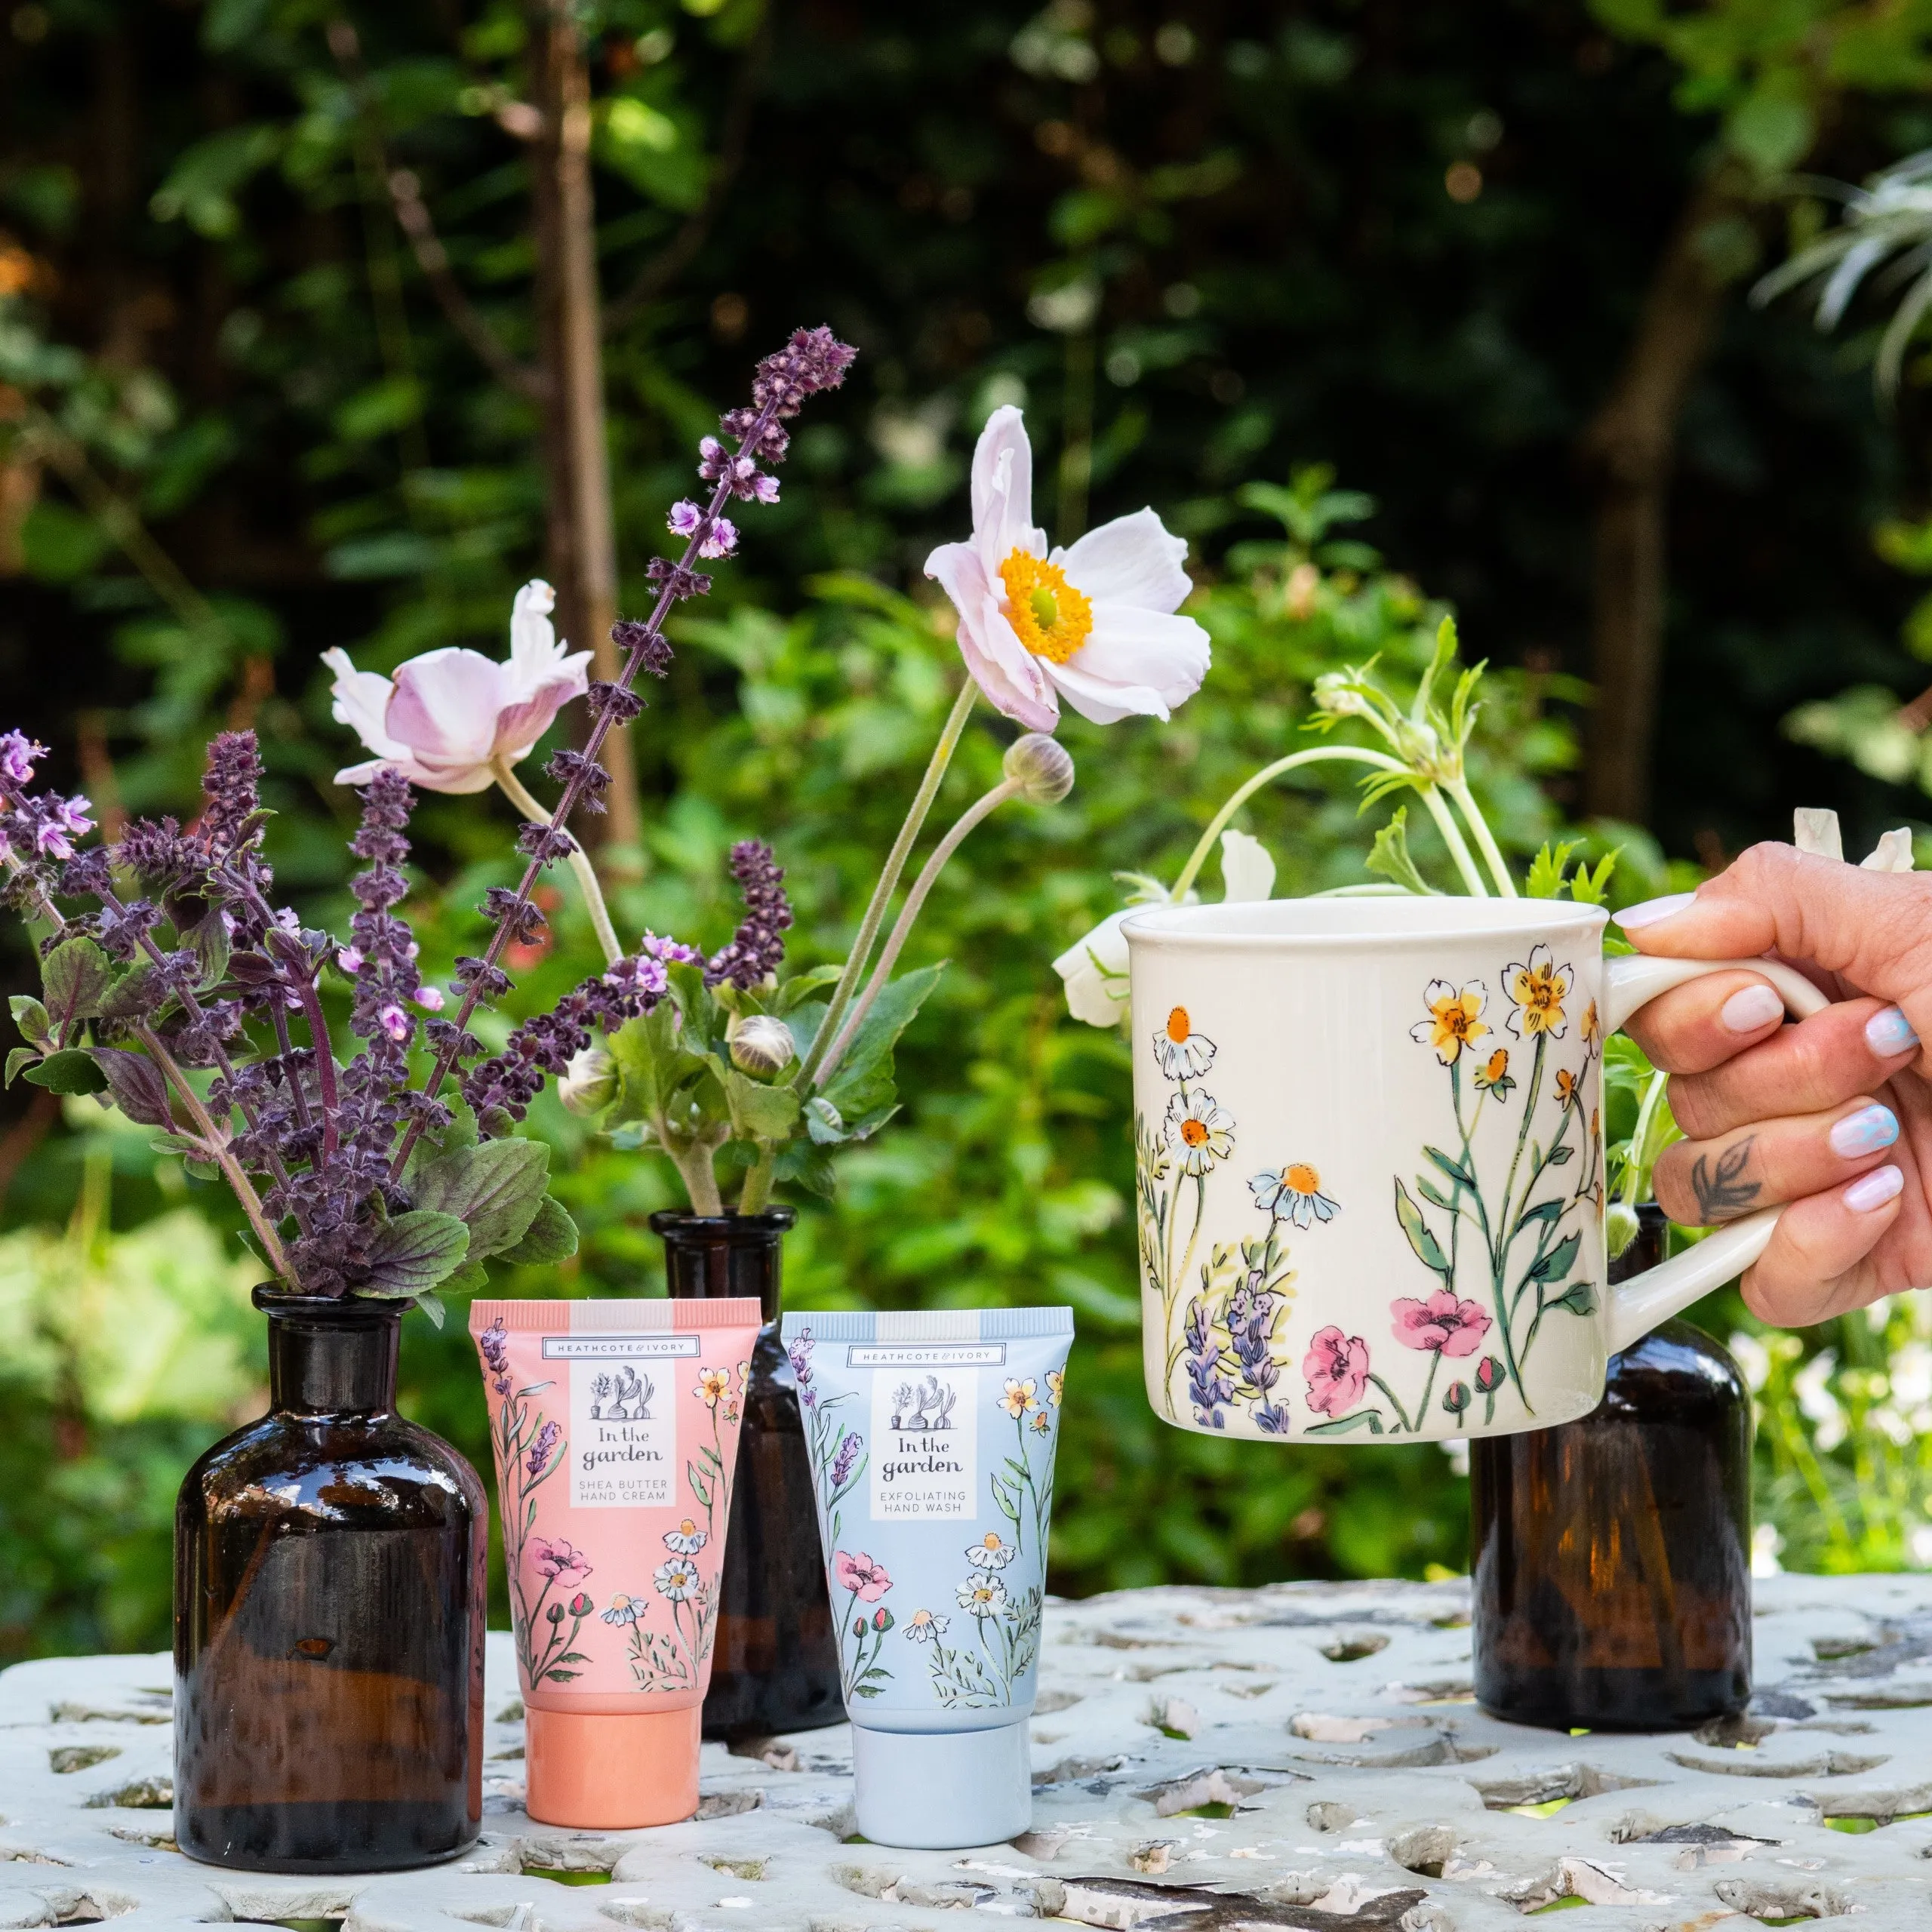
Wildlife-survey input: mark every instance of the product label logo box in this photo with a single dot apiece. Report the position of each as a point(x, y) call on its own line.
point(623, 1417)
point(924, 1437)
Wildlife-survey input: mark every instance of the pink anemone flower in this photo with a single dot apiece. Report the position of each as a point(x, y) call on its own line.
point(861, 1575)
point(446, 716)
point(1336, 1366)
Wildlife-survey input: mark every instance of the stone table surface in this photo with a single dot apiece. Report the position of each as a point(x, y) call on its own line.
point(1304, 1756)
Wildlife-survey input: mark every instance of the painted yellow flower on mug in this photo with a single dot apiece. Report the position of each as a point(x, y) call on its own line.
point(1591, 1027)
point(1568, 1093)
point(1494, 1076)
point(1200, 1132)
point(1455, 1019)
point(1537, 994)
point(1183, 1054)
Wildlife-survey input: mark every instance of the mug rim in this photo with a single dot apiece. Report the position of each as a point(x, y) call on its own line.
point(1319, 925)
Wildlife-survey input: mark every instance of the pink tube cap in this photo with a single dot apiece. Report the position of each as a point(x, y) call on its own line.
point(606, 1772)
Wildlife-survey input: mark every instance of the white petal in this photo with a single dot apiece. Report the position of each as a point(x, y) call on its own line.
point(1893, 853)
point(1014, 680)
point(1247, 868)
point(1134, 560)
point(1091, 994)
point(444, 711)
point(535, 651)
point(361, 700)
point(1003, 491)
point(1170, 655)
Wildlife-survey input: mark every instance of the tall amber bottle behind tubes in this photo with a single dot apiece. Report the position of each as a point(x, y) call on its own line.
point(1611, 1557)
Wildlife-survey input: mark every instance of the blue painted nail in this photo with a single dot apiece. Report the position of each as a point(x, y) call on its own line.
point(1889, 1032)
point(1652, 910)
point(1864, 1132)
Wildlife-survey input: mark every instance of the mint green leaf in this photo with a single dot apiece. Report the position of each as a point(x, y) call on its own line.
point(73, 1072)
point(74, 977)
point(20, 1057)
point(431, 1306)
point(1554, 1265)
point(492, 1188)
point(414, 1251)
point(1428, 1250)
point(759, 1112)
point(30, 1016)
point(863, 1079)
point(1389, 855)
point(551, 1236)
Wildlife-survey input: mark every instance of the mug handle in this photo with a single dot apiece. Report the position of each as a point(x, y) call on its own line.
point(1637, 1304)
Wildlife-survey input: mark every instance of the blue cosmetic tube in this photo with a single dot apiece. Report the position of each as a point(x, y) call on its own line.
point(932, 1439)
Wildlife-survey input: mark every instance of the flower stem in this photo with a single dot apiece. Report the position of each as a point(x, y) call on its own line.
point(981, 807)
point(1459, 789)
point(757, 1189)
point(580, 860)
point(888, 879)
point(1452, 836)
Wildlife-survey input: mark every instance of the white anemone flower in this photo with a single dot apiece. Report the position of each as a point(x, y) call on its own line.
point(1094, 968)
point(446, 717)
point(1094, 623)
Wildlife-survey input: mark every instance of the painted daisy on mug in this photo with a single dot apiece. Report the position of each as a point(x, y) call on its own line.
point(1094, 623)
point(1184, 1054)
point(1201, 1132)
point(1294, 1194)
point(1455, 1019)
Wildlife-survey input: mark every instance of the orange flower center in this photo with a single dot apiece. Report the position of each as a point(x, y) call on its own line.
point(1193, 1132)
point(1179, 1026)
point(1456, 1017)
point(687, 1528)
point(992, 1541)
point(1303, 1178)
point(1048, 616)
point(1499, 1064)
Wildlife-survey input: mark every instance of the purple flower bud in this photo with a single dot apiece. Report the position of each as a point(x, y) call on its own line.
point(720, 540)
point(349, 958)
point(495, 1343)
point(765, 488)
point(429, 998)
point(672, 952)
point(17, 753)
point(396, 1023)
point(539, 1449)
point(685, 518)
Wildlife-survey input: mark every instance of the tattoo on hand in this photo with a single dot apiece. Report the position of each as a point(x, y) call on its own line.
point(1722, 1191)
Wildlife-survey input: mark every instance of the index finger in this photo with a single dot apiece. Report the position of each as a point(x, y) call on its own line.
point(1875, 928)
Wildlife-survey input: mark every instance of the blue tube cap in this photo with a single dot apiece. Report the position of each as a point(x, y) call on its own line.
point(942, 1791)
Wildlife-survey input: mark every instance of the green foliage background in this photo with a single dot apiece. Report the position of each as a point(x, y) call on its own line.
point(1204, 245)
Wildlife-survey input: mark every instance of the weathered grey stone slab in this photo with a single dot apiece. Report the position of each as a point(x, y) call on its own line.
point(1301, 1756)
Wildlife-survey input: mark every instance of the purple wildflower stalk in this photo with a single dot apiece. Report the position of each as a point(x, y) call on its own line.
point(812, 360)
point(758, 945)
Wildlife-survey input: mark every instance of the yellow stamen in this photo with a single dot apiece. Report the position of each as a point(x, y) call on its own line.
point(1048, 615)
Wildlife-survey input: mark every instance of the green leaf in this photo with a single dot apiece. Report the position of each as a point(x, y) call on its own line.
point(492, 1188)
point(1342, 1425)
point(1429, 1192)
point(1545, 877)
point(1390, 857)
point(653, 1062)
point(1554, 1265)
point(74, 977)
point(1558, 1156)
point(863, 1079)
point(1544, 1210)
point(473, 1278)
point(429, 1302)
point(1577, 1299)
point(414, 1251)
point(1424, 1242)
point(73, 1072)
point(19, 1057)
point(30, 1016)
point(139, 1091)
point(138, 992)
point(823, 1122)
point(1592, 888)
point(801, 985)
point(551, 1236)
point(759, 1112)
point(1453, 1167)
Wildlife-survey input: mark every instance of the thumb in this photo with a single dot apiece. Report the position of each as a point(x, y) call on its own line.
point(1875, 928)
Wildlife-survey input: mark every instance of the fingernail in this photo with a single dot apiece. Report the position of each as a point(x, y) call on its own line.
point(1889, 1032)
point(1864, 1132)
point(1875, 1189)
point(1754, 1007)
point(1652, 910)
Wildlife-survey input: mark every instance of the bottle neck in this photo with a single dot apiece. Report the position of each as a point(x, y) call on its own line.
point(333, 1362)
point(709, 1256)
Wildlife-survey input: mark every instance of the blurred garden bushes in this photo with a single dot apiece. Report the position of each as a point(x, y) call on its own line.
point(1204, 247)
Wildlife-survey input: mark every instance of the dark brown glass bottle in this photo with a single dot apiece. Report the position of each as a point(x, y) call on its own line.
point(1611, 1557)
point(774, 1665)
point(328, 1617)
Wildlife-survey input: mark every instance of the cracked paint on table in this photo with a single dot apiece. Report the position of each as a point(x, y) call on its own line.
point(1305, 1755)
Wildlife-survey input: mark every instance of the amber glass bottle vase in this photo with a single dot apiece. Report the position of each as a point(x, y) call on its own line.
point(774, 1666)
point(1611, 1557)
point(328, 1617)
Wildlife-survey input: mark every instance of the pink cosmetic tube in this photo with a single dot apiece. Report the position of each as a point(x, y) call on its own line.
point(615, 1425)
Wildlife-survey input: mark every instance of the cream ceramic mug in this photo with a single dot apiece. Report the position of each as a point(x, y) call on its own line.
point(1369, 1165)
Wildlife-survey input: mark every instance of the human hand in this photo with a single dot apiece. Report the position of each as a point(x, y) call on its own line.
point(1833, 1114)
